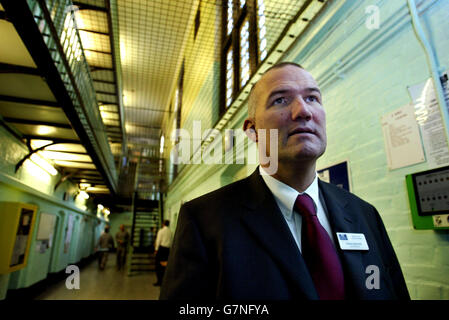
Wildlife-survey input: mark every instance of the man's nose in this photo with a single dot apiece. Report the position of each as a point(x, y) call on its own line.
point(300, 109)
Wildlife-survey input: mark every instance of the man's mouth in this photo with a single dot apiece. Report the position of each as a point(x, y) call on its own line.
point(301, 131)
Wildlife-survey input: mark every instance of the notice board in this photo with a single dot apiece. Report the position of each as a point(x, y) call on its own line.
point(337, 174)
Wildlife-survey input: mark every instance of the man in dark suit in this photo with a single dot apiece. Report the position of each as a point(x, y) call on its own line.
point(274, 235)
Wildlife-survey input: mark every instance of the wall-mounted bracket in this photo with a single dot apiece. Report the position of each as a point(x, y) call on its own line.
point(64, 177)
point(31, 152)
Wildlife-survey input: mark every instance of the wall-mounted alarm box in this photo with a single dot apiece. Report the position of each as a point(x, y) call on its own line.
point(428, 194)
point(16, 229)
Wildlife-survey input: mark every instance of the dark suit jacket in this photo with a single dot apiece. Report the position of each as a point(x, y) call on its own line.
point(234, 243)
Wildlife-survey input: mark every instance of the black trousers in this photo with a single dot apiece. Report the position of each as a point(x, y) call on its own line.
point(121, 257)
point(161, 255)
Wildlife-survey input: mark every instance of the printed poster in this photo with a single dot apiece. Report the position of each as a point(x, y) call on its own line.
point(401, 138)
point(430, 122)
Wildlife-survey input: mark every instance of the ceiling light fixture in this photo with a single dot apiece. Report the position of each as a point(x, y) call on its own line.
point(84, 185)
point(162, 144)
point(83, 194)
point(43, 130)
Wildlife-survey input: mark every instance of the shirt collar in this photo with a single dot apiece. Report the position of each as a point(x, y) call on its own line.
point(286, 195)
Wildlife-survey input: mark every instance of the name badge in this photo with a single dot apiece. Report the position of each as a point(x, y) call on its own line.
point(352, 241)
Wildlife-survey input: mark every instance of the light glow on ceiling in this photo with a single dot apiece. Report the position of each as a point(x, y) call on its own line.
point(36, 144)
point(37, 159)
point(43, 130)
point(79, 165)
point(109, 115)
point(55, 155)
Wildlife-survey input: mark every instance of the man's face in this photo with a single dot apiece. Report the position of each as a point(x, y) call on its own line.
point(288, 99)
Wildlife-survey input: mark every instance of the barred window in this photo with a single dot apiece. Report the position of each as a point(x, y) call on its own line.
point(262, 31)
point(229, 77)
point(230, 17)
point(244, 53)
point(244, 46)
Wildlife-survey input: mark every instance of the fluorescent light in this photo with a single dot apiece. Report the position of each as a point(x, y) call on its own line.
point(98, 189)
point(43, 164)
point(56, 155)
point(35, 143)
point(84, 185)
point(107, 115)
point(84, 195)
point(106, 213)
point(162, 144)
point(79, 165)
point(100, 207)
point(43, 130)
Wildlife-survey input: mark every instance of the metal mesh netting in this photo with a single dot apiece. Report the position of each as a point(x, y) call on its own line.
point(157, 35)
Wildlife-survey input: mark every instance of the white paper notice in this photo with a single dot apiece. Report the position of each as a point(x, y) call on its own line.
point(429, 119)
point(68, 234)
point(401, 137)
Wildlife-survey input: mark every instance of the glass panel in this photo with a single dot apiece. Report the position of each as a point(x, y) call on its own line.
point(230, 17)
point(244, 53)
point(262, 30)
point(229, 78)
point(23, 231)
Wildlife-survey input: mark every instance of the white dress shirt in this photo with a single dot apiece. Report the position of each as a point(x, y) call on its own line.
point(163, 238)
point(285, 197)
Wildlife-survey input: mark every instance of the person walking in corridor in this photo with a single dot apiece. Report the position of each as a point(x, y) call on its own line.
point(105, 243)
point(162, 250)
point(122, 239)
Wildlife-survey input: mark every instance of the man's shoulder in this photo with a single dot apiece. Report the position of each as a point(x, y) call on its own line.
point(231, 193)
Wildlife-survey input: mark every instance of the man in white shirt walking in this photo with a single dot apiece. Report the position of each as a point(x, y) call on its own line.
point(162, 249)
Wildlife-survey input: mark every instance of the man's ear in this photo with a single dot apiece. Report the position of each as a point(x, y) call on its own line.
point(249, 127)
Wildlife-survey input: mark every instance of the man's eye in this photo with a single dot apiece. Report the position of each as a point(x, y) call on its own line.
point(281, 100)
point(312, 99)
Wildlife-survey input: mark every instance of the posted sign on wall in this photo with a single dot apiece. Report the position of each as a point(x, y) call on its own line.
point(401, 138)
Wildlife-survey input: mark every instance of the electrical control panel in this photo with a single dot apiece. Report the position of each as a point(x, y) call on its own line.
point(428, 193)
point(16, 229)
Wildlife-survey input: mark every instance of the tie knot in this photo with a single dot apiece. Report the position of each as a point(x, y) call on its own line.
point(305, 205)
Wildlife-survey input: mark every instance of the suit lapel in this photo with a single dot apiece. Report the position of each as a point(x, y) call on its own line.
point(265, 221)
point(342, 220)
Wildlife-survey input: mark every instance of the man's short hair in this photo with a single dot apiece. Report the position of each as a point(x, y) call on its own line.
point(252, 98)
point(167, 223)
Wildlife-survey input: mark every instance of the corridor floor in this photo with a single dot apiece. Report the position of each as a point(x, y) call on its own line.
point(107, 284)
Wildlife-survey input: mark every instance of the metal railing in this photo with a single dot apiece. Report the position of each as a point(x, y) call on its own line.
point(56, 22)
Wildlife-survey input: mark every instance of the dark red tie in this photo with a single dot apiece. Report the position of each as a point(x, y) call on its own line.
point(319, 252)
